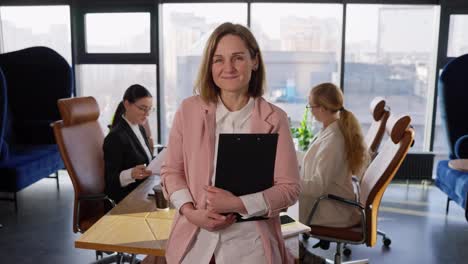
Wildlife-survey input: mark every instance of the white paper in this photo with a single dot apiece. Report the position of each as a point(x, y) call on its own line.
point(155, 164)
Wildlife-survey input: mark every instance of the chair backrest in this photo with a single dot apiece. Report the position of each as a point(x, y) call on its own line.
point(3, 117)
point(452, 97)
point(382, 170)
point(36, 78)
point(380, 113)
point(79, 137)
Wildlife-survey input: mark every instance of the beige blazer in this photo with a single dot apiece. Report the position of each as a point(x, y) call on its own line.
point(324, 170)
point(189, 164)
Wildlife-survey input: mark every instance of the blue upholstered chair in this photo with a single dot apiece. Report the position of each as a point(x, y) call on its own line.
point(453, 96)
point(34, 79)
point(3, 106)
point(2, 115)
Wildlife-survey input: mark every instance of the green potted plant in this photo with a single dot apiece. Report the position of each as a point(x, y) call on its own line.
point(303, 133)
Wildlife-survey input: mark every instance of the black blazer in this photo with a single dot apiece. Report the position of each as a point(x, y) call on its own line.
point(122, 151)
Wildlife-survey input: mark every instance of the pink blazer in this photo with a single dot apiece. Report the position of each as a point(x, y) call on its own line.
point(189, 164)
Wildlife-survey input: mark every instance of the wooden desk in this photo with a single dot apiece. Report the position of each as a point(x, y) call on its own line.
point(134, 226)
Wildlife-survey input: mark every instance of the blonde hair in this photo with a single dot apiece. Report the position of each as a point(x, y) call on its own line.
point(205, 86)
point(330, 97)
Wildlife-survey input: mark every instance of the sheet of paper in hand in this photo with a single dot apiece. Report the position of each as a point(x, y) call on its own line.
point(155, 164)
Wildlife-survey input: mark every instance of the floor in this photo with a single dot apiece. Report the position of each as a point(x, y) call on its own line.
point(412, 215)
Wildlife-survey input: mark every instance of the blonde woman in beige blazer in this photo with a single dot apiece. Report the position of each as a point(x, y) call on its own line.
point(337, 153)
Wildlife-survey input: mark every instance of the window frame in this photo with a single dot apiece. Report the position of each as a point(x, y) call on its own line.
point(83, 57)
point(442, 55)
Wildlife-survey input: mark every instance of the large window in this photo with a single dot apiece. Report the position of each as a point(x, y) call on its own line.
point(115, 49)
point(458, 36)
point(107, 83)
point(391, 52)
point(186, 28)
point(117, 32)
point(301, 45)
point(27, 26)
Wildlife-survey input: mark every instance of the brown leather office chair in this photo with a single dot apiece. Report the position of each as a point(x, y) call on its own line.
point(380, 113)
point(79, 138)
point(378, 175)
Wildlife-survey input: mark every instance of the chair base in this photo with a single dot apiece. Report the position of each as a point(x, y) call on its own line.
point(363, 261)
point(118, 258)
point(56, 177)
point(316, 259)
point(466, 206)
point(385, 239)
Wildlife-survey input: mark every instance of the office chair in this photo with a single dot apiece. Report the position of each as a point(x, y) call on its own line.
point(380, 113)
point(80, 138)
point(452, 96)
point(378, 175)
point(3, 105)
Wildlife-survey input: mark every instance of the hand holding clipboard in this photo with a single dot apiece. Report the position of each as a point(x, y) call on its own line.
point(246, 163)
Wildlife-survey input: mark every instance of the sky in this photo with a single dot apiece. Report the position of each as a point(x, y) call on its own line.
point(38, 18)
point(108, 29)
point(361, 19)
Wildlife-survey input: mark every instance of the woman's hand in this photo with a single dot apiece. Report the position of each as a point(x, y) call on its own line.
point(222, 201)
point(140, 172)
point(206, 219)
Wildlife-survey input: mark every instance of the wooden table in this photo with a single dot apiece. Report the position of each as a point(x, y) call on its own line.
point(134, 226)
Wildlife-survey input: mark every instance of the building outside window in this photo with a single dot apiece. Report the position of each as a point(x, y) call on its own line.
point(301, 45)
point(27, 26)
point(186, 28)
point(391, 52)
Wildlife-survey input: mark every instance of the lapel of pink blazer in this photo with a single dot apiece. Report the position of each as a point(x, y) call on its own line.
point(209, 125)
point(258, 122)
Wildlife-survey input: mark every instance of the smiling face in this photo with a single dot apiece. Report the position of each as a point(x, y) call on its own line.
point(138, 112)
point(232, 65)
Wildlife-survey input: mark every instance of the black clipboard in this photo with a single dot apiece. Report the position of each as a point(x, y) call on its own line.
point(246, 163)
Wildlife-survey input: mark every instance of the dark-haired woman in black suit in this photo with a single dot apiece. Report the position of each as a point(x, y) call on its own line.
point(127, 149)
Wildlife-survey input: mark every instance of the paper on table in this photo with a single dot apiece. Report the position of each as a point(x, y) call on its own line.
point(293, 228)
point(155, 164)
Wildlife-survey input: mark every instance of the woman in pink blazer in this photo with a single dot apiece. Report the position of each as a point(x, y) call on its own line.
point(229, 87)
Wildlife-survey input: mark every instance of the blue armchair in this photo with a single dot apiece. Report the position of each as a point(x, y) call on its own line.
point(3, 105)
point(453, 95)
point(33, 80)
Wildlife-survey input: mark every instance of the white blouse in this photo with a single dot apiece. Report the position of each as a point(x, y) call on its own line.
point(240, 242)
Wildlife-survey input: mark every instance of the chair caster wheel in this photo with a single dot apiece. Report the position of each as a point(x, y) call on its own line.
point(323, 244)
point(387, 242)
point(347, 252)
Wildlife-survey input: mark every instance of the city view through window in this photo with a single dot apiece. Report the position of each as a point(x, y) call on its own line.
point(390, 51)
point(386, 55)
